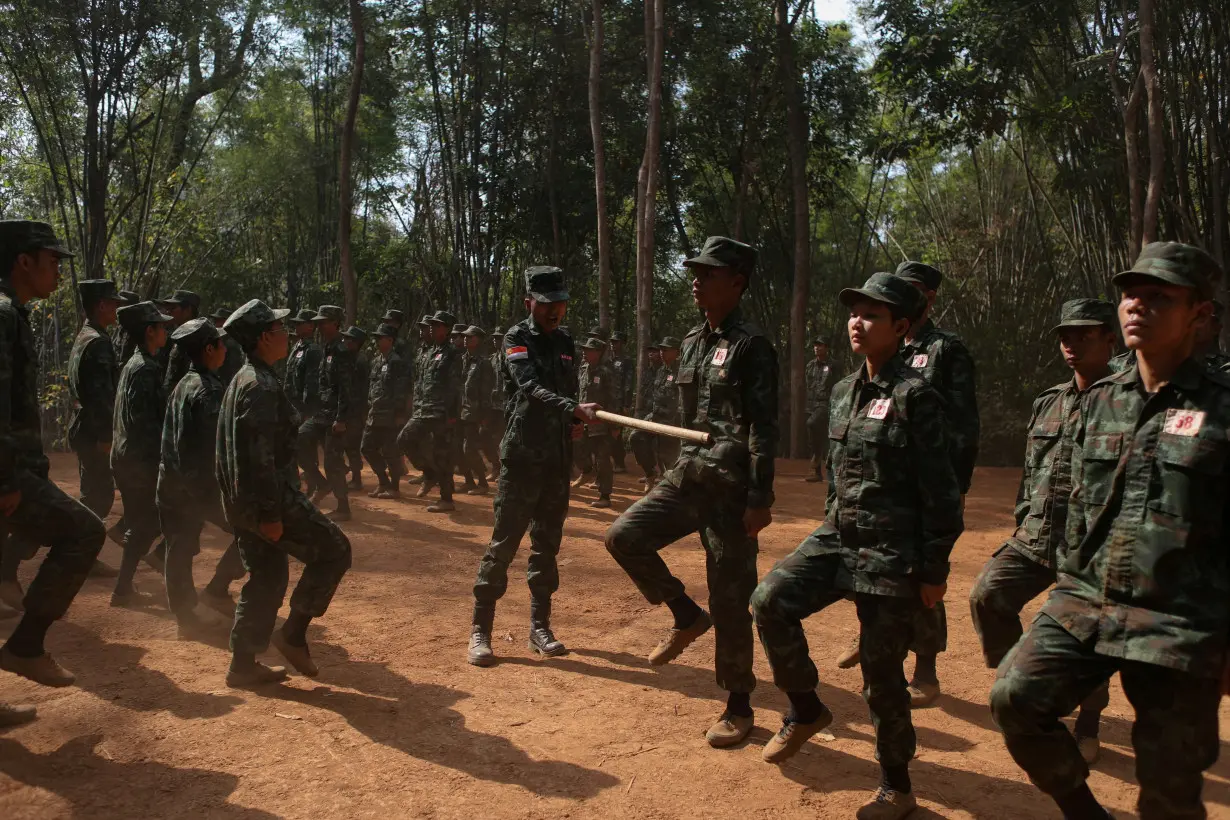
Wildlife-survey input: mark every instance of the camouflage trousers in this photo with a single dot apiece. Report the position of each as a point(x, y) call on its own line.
point(311, 538)
point(46, 515)
point(493, 433)
point(354, 446)
point(138, 486)
point(654, 454)
point(182, 522)
point(428, 443)
point(308, 443)
point(597, 456)
point(530, 494)
point(380, 449)
point(472, 451)
point(97, 485)
point(804, 583)
point(930, 630)
point(665, 515)
point(1175, 735)
point(818, 435)
point(335, 464)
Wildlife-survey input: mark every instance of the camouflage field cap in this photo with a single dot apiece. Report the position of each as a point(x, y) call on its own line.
point(594, 344)
point(475, 330)
point(619, 336)
point(820, 340)
point(95, 290)
point(458, 329)
point(425, 321)
point(305, 316)
point(182, 298)
point(221, 314)
point(385, 330)
point(669, 343)
point(30, 235)
point(1176, 264)
point(135, 317)
point(252, 319)
point(356, 334)
point(196, 332)
point(597, 332)
point(1087, 313)
point(654, 346)
point(889, 289)
point(393, 315)
point(129, 297)
point(917, 273)
point(330, 313)
point(724, 252)
point(545, 284)
point(442, 317)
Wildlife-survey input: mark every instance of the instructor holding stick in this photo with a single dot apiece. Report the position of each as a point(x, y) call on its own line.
point(728, 390)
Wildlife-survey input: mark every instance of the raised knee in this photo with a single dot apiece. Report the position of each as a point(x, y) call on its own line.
point(1004, 699)
point(617, 537)
point(764, 601)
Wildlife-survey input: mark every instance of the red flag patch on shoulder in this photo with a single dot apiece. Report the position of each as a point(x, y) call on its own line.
point(515, 353)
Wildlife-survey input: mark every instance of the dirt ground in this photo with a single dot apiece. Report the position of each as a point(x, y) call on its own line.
point(398, 725)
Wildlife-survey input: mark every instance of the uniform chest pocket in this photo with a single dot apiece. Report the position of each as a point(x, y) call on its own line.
point(1099, 459)
point(723, 391)
point(1042, 441)
point(1191, 473)
point(884, 434)
point(685, 380)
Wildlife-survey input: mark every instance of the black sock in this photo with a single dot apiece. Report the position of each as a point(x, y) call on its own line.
point(128, 569)
point(805, 707)
point(27, 639)
point(1087, 721)
point(295, 628)
point(924, 669)
point(1080, 804)
point(896, 778)
point(685, 611)
point(739, 704)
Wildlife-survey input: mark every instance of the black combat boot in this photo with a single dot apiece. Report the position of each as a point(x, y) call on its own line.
point(480, 653)
point(542, 640)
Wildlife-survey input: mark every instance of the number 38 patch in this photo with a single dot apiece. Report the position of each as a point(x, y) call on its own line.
point(1183, 422)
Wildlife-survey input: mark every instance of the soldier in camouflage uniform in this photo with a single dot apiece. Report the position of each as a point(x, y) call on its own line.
point(893, 514)
point(303, 388)
point(728, 388)
point(599, 384)
point(124, 344)
point(476, 393)
point(1142, 576)
point(182, 306)
point(92, 374)
point(946, 364)
point(1024, 566)
point(427, 439)
point(34, 509)
point(494, 427)
point(644, 445)
point(355, 339)
point(388, 386)
point(136, 434)
point(422, 357)
point(625, 369)
point(544, 417)
point(657, 454)
point(187, 494)
point(234, 353)
point(255, 467)
point(327, 427)
point(820, 377)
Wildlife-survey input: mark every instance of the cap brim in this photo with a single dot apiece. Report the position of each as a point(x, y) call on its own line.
point(1167, 278)
point(1078, 323)
point(552, 296)
point(280, 313)
point(849, 296)
point(162, 317)
point(705, 261)
point(438, 322)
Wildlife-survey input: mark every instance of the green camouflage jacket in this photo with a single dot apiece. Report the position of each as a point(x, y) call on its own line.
point(728, 388)
point(893, 510)
point(360, 386)
point(599, 384)
point(92, 374)
point(303, 376)
point(235, 359)
point(136, 425)
point(189, 442)
point(479, 379)
point(438, 391)
point(540, 384)
point(664, 398)
point(624, 400)
point(496, 402)
point(946, 364)
point(1144, 575)
point(336, 383)
point(21, 438)
point(255, 459)
point(1046, 481)
point(387, 387)
point(820, 378)
point(1215, 359)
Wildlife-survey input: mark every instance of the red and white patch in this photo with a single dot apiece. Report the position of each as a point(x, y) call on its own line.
point(1183, 422)
point(516, 353)
point(597, 380)
point(670, 378)
point(719, 355)
point(563, 357)
point(878, 409)
point(919, 360)
point(439, 356)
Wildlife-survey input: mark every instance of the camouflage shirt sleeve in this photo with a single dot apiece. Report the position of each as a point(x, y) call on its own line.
point(257, 479)
point(146, 404)
point(938, 488)
point(525, 375)
point(1075, 529)
point(96, 385)
point(1023, 499)
point(759, 385)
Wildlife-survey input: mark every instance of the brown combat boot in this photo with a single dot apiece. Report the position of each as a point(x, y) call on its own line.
point(791, 737)
point(887, 804)
point(42, 669)
point(677, 640)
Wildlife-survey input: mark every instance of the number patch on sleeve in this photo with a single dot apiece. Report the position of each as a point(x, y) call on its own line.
point(1183, 422)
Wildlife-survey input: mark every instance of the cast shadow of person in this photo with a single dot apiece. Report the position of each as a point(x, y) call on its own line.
point(97, 787)
point(415, 719)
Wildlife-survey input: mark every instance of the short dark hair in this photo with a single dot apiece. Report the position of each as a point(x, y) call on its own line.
point(8, 258)
point(195, 348)
point(248, 343)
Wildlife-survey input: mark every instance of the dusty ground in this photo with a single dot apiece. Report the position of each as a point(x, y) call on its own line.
point(398, 725)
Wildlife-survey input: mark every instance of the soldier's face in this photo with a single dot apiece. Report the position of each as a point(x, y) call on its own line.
point(1087, 349)
point(385, 343)
point(873, 332)
point(304, 330)
point(155, 337)
point(439, 334)
point(105, 312)
point(547, 315)
point(655, 356)
point(669, 355)
point(716, 288)
point(821, 351)
point(473, 343)
point(41, 270)
point(274, 343)
point(1156, 316)
point(215, 355)
point(592, 356)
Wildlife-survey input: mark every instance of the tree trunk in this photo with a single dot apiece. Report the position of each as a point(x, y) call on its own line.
point(796, 143)
point(350, 291)
point(1157, 145)
point(654, 47)
point(595, 127)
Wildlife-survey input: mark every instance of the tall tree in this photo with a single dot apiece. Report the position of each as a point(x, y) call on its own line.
point(595, 126)
point(647, 184)
point(350, 290)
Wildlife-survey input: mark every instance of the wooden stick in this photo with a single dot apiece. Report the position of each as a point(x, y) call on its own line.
point(658, 429)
